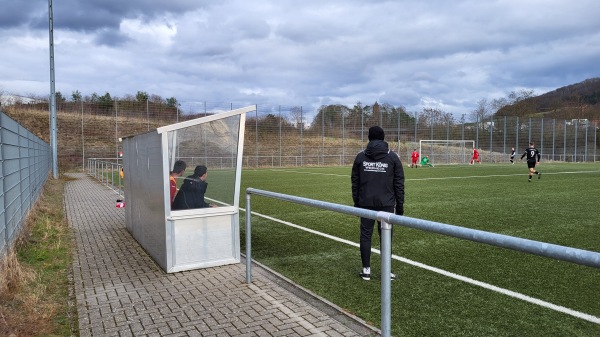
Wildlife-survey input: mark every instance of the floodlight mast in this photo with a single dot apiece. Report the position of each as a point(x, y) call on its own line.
point(53, 137)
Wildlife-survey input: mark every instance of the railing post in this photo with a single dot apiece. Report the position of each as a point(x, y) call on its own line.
point(112, 175)
point(248, 241)
point(386, 270)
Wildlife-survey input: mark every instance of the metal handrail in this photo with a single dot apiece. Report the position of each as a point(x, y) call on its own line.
point(96, 168)
point(569, 254)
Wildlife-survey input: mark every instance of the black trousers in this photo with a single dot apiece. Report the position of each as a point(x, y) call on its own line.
point(366, 235)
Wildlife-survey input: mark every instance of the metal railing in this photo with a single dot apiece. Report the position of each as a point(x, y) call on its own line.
point(108, 172)
point(574, 255)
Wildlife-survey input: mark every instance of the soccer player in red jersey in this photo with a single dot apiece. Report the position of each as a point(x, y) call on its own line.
point(415, 158)
point(475, 156)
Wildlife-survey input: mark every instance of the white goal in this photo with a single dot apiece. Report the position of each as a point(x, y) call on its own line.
point(447, 151)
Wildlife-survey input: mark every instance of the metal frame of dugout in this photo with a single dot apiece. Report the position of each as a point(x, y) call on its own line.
point(187, 239)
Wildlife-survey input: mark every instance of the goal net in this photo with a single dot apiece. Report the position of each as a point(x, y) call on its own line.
point(446, 151)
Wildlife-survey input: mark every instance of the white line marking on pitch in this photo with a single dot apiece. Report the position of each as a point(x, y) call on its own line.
point(502, 175)
point(314, 173)
point(465, 279)
point(442, 178)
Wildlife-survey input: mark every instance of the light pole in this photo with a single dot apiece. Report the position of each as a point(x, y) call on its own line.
point(53, 138)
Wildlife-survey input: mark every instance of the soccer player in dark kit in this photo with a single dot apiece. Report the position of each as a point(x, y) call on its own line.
point(533, 158)
point(512, 155)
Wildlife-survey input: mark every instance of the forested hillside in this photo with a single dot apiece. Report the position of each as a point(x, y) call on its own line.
point(580, 101)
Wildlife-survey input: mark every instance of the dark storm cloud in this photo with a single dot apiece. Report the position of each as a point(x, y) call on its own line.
point(87, 15)
point(111, 38)
point(19, 13)
point(442, 54)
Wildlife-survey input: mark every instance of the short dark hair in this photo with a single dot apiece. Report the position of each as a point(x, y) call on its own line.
point(200, 170)
point(179, 166)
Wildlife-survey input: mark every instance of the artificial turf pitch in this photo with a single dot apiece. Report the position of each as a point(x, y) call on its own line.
point(563, 207)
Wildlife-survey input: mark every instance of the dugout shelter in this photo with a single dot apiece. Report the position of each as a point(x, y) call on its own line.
point(192, 238)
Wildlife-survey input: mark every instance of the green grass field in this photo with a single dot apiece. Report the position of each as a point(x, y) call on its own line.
point(561, 208)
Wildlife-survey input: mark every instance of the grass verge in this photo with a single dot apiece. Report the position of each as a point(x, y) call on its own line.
point(34, 283)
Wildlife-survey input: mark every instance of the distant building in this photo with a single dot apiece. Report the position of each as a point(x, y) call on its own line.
point(579, 122)
point(9, 99)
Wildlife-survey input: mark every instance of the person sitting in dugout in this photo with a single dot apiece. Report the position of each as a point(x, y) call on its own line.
point(192, 191)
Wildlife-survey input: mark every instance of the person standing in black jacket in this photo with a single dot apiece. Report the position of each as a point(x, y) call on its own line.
point(377, 184)
point(192, 190)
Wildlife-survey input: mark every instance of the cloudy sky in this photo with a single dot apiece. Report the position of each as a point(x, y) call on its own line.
point(418, 54)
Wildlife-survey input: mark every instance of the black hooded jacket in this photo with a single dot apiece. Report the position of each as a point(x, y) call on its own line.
point(191, 194)
point(377, 177)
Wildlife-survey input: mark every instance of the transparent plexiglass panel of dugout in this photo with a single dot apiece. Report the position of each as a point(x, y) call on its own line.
point(214, 145)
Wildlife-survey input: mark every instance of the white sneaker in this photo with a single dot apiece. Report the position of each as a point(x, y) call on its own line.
point(365, 276)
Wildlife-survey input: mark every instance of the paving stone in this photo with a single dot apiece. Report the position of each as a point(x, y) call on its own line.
point(121, 292)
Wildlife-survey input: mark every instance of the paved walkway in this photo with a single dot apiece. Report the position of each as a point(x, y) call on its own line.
point(120, 291)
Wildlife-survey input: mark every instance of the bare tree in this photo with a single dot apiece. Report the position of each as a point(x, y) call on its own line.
point(448, 118)
point(2, 96)
point(30, 96)
point(432, 116)
point(296, 117)
point(499, 103)
point(156, 99)
point(129, 98)
point(515, 103)
point(482, 111)
point(518, 96)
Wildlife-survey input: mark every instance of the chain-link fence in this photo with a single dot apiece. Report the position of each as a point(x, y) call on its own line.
point(25, 163)
point(284, 136)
